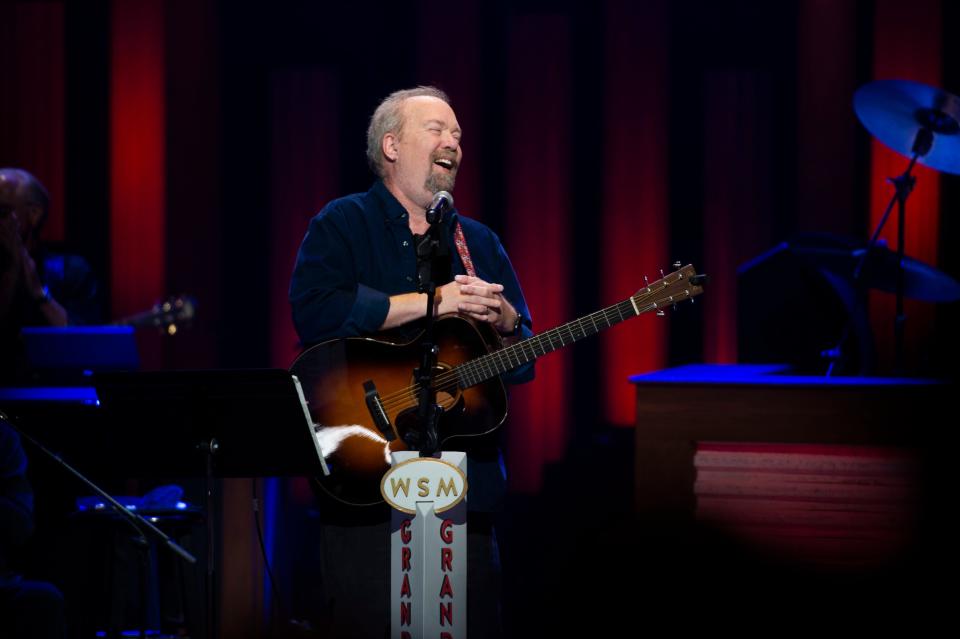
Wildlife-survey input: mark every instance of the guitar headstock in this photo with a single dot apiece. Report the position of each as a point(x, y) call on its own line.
point(167, 315)
point(678, 286)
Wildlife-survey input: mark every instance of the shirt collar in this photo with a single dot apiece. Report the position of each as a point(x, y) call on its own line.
point(391, 207)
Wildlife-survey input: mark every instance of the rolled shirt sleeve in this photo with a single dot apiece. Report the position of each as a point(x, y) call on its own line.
point(326, 299)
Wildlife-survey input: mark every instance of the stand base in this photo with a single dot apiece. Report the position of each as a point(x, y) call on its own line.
point(428, 561)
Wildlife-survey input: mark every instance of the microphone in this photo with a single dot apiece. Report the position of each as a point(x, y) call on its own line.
point(442, 202)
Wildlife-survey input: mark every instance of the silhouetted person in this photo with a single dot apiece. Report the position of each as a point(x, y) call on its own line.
point(38, 286)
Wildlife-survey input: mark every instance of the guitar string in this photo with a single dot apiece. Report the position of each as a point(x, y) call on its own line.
point(408, 396)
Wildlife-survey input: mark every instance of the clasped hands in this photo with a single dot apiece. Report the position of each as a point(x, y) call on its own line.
point(477, 299)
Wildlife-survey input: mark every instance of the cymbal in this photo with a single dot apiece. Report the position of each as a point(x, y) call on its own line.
point(894, 111)
point(840, 256)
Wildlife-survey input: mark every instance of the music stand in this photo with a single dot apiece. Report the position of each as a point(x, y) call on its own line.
point(165, 420)
point(224, 423)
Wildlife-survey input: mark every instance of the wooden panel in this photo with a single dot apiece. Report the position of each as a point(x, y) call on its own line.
point(673, 415)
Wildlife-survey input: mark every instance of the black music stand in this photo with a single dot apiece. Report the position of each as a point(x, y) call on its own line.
point(209, 423)
point(166, 421)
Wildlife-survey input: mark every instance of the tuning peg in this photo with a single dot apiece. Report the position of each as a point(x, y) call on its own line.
point(674, 306)
point(693, 300)
point(646, 281)
point(661, 273)
point(677, 264)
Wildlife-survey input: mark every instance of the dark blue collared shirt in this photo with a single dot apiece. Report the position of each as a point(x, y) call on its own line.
point(359, 251)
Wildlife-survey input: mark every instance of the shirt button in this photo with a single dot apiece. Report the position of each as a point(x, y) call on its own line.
point(406, 243)
point(409, 279)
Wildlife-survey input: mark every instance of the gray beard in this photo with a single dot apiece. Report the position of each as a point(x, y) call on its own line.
point(440, 182)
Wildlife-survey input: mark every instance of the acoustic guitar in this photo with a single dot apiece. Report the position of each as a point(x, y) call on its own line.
point(363, 399)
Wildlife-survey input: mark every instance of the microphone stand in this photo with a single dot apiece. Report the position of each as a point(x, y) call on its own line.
point(136, 520)
point(430, 250)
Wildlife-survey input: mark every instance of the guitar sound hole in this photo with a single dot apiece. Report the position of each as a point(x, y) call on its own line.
point(448, 391)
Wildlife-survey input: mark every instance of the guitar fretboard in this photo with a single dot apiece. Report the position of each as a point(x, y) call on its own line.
point(524, 351)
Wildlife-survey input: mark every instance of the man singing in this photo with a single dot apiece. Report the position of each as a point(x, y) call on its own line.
point(356, 274)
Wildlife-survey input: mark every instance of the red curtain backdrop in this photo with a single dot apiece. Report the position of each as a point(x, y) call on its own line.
point(907, 46)
point(456, 70)
point(304, 176)
point(137, 155)
point(635, 234)
point(738, 203)
point(538, 230)
point(32, 110)
point(194, 217)
point(827, 126)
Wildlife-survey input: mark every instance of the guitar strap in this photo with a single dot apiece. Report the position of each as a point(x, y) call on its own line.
point(463, 250)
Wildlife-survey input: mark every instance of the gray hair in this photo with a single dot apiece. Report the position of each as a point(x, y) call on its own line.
point(388, 118)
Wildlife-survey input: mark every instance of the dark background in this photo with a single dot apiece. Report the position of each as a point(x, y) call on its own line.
point(187, 144)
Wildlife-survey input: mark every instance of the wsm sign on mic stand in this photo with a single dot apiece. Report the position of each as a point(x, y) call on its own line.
point(428, 574)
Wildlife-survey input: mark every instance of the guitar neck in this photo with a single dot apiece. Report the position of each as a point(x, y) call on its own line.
point(527, 350)
point(168, 313)
point(680, 285)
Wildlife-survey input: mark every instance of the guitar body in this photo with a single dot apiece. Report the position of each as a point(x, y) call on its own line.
point(333, 374)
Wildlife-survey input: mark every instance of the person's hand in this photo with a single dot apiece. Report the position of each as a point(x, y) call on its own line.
point(479, 300)
point(11, 247)
point(31, 279)
point(15, 257)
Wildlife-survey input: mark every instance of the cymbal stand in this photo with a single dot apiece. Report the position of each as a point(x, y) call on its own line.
point(903, 186)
